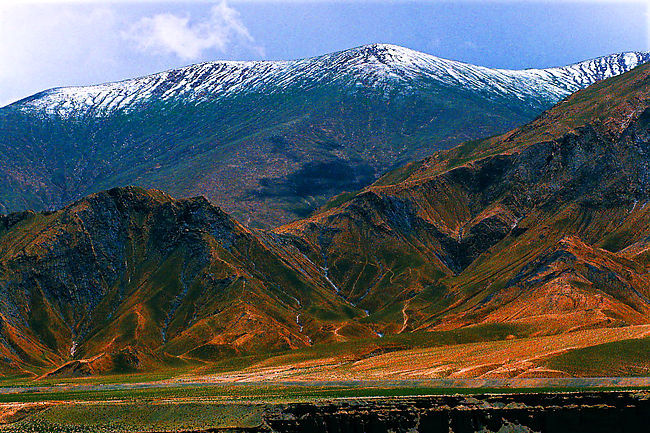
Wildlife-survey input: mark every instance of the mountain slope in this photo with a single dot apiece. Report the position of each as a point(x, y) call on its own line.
point(143, 279)
point(544, 226)
point(268, 141)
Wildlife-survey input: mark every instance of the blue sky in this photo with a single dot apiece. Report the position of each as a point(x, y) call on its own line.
point(46, 43)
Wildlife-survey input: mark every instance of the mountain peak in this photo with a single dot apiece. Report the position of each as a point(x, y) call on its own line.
point(391, 57)
point(381, 49)
point(379, 66)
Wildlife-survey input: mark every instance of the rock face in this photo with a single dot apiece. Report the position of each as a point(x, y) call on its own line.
point(268, 141)
point(556, 413)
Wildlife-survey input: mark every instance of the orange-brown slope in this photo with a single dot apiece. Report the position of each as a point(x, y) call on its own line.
point(524, 227)
point(137, 271)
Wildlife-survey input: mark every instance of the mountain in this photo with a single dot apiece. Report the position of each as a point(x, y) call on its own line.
point(545, 226)
point(129, 278)
point(383, 66)
point(520, 254)
point(268, 141)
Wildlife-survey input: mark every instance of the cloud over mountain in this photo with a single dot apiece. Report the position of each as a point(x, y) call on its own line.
point(168, 33)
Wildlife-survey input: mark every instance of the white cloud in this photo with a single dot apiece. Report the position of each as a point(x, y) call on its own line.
point(166, 33)
point(73, 43)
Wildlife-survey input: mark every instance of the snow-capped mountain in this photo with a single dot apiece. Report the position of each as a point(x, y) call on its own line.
point(379, 66)
point(268, 141)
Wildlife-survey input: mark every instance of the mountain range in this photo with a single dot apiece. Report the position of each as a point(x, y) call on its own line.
point(272, 141)
point(540, 232)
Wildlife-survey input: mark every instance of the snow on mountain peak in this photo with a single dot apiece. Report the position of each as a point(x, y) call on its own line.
point(379, 66)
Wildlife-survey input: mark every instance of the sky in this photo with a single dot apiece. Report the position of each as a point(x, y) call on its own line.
point(48, 43)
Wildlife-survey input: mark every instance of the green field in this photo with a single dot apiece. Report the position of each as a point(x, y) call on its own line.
point(202, 408)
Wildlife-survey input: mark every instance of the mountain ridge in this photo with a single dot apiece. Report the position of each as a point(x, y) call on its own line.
point(569, 184)
point(377, 65)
